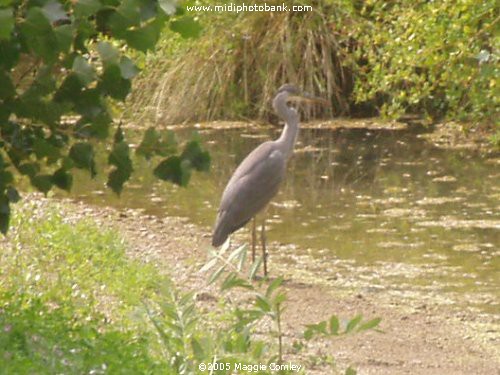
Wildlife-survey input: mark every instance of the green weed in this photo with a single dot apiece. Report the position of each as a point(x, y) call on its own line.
point(68, 294)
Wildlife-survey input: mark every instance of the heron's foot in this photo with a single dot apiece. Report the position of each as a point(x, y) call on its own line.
point(256, 276)
point(261, 278)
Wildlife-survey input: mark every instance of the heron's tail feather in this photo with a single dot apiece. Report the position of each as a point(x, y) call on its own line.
point(220, 236)
point(224, 227)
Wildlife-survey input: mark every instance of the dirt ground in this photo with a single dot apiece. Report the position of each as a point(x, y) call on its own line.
point(419, 338)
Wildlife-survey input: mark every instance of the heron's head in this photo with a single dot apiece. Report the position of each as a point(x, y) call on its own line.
point(289, 92)
point(289, 89)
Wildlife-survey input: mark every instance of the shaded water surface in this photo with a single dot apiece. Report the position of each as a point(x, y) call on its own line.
point(398, 211)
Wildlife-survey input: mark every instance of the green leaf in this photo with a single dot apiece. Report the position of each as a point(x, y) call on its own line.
point(43, 149)
point(168, 6)
point(370, 324)
point(199, 159)
point(46, 111)
point(67, 163)
point(210, 264)
point(187, 27)
point(44, 84)
point(350, 371)
point(275, 284)
point(29, 169)
point(9, 52)
point(149, 143)
point(258, 349)
point(198, 351)
point(129, 12)
point(13, 195)
point(242, 258)
point(120, 158)
point(242, 342)
point(119, 136)
point(353, 323)
point(64, 35)
point(154, 144)
point(216, 275)
point(255, 267)
point(237, 253)
point(127, 68)
point(116, 22)
point(225, 247)
point(113, 84)
point(116, 180)
point(83, 156)
point(144, 38)
point(54, 11)
point(70, 89)
point(6, 23)
point(312, 329)
point(4, 115)
point(83, 70)
point(262, 303)
point(309, 333)
point(233, 281)
point(39, 35)
point(42, 182)
point(62, 179)
point(334, 325)
point(89, 104)
point(109, 53)
point(4, 213)
point(85, 8)
point(321, 327)
point(7, 88)
point(173, 169)
point(97, 124)
point(279, 299)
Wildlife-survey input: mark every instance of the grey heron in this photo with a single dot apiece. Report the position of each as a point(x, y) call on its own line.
point(257, 179)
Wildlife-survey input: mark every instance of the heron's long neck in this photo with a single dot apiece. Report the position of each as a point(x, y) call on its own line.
point(289, 135)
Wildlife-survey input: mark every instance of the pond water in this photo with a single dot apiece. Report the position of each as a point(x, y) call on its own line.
point(383, 207)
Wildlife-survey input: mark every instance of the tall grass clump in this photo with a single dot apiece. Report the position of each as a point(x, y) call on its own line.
point(234, 68)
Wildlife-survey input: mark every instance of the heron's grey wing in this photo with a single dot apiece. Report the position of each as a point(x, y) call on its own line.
point(252, 186)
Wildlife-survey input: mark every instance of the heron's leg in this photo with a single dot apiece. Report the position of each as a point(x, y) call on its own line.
point(254, 238)
point(264, 251)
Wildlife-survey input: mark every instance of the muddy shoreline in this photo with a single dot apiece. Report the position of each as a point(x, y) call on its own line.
point(419, 337)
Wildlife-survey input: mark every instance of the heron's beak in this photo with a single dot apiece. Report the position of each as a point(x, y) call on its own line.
point(308, 98)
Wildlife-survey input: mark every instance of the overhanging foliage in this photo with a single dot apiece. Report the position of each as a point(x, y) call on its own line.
point(62, 67)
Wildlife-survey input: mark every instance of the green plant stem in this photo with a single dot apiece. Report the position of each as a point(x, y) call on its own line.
point(280, 334)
